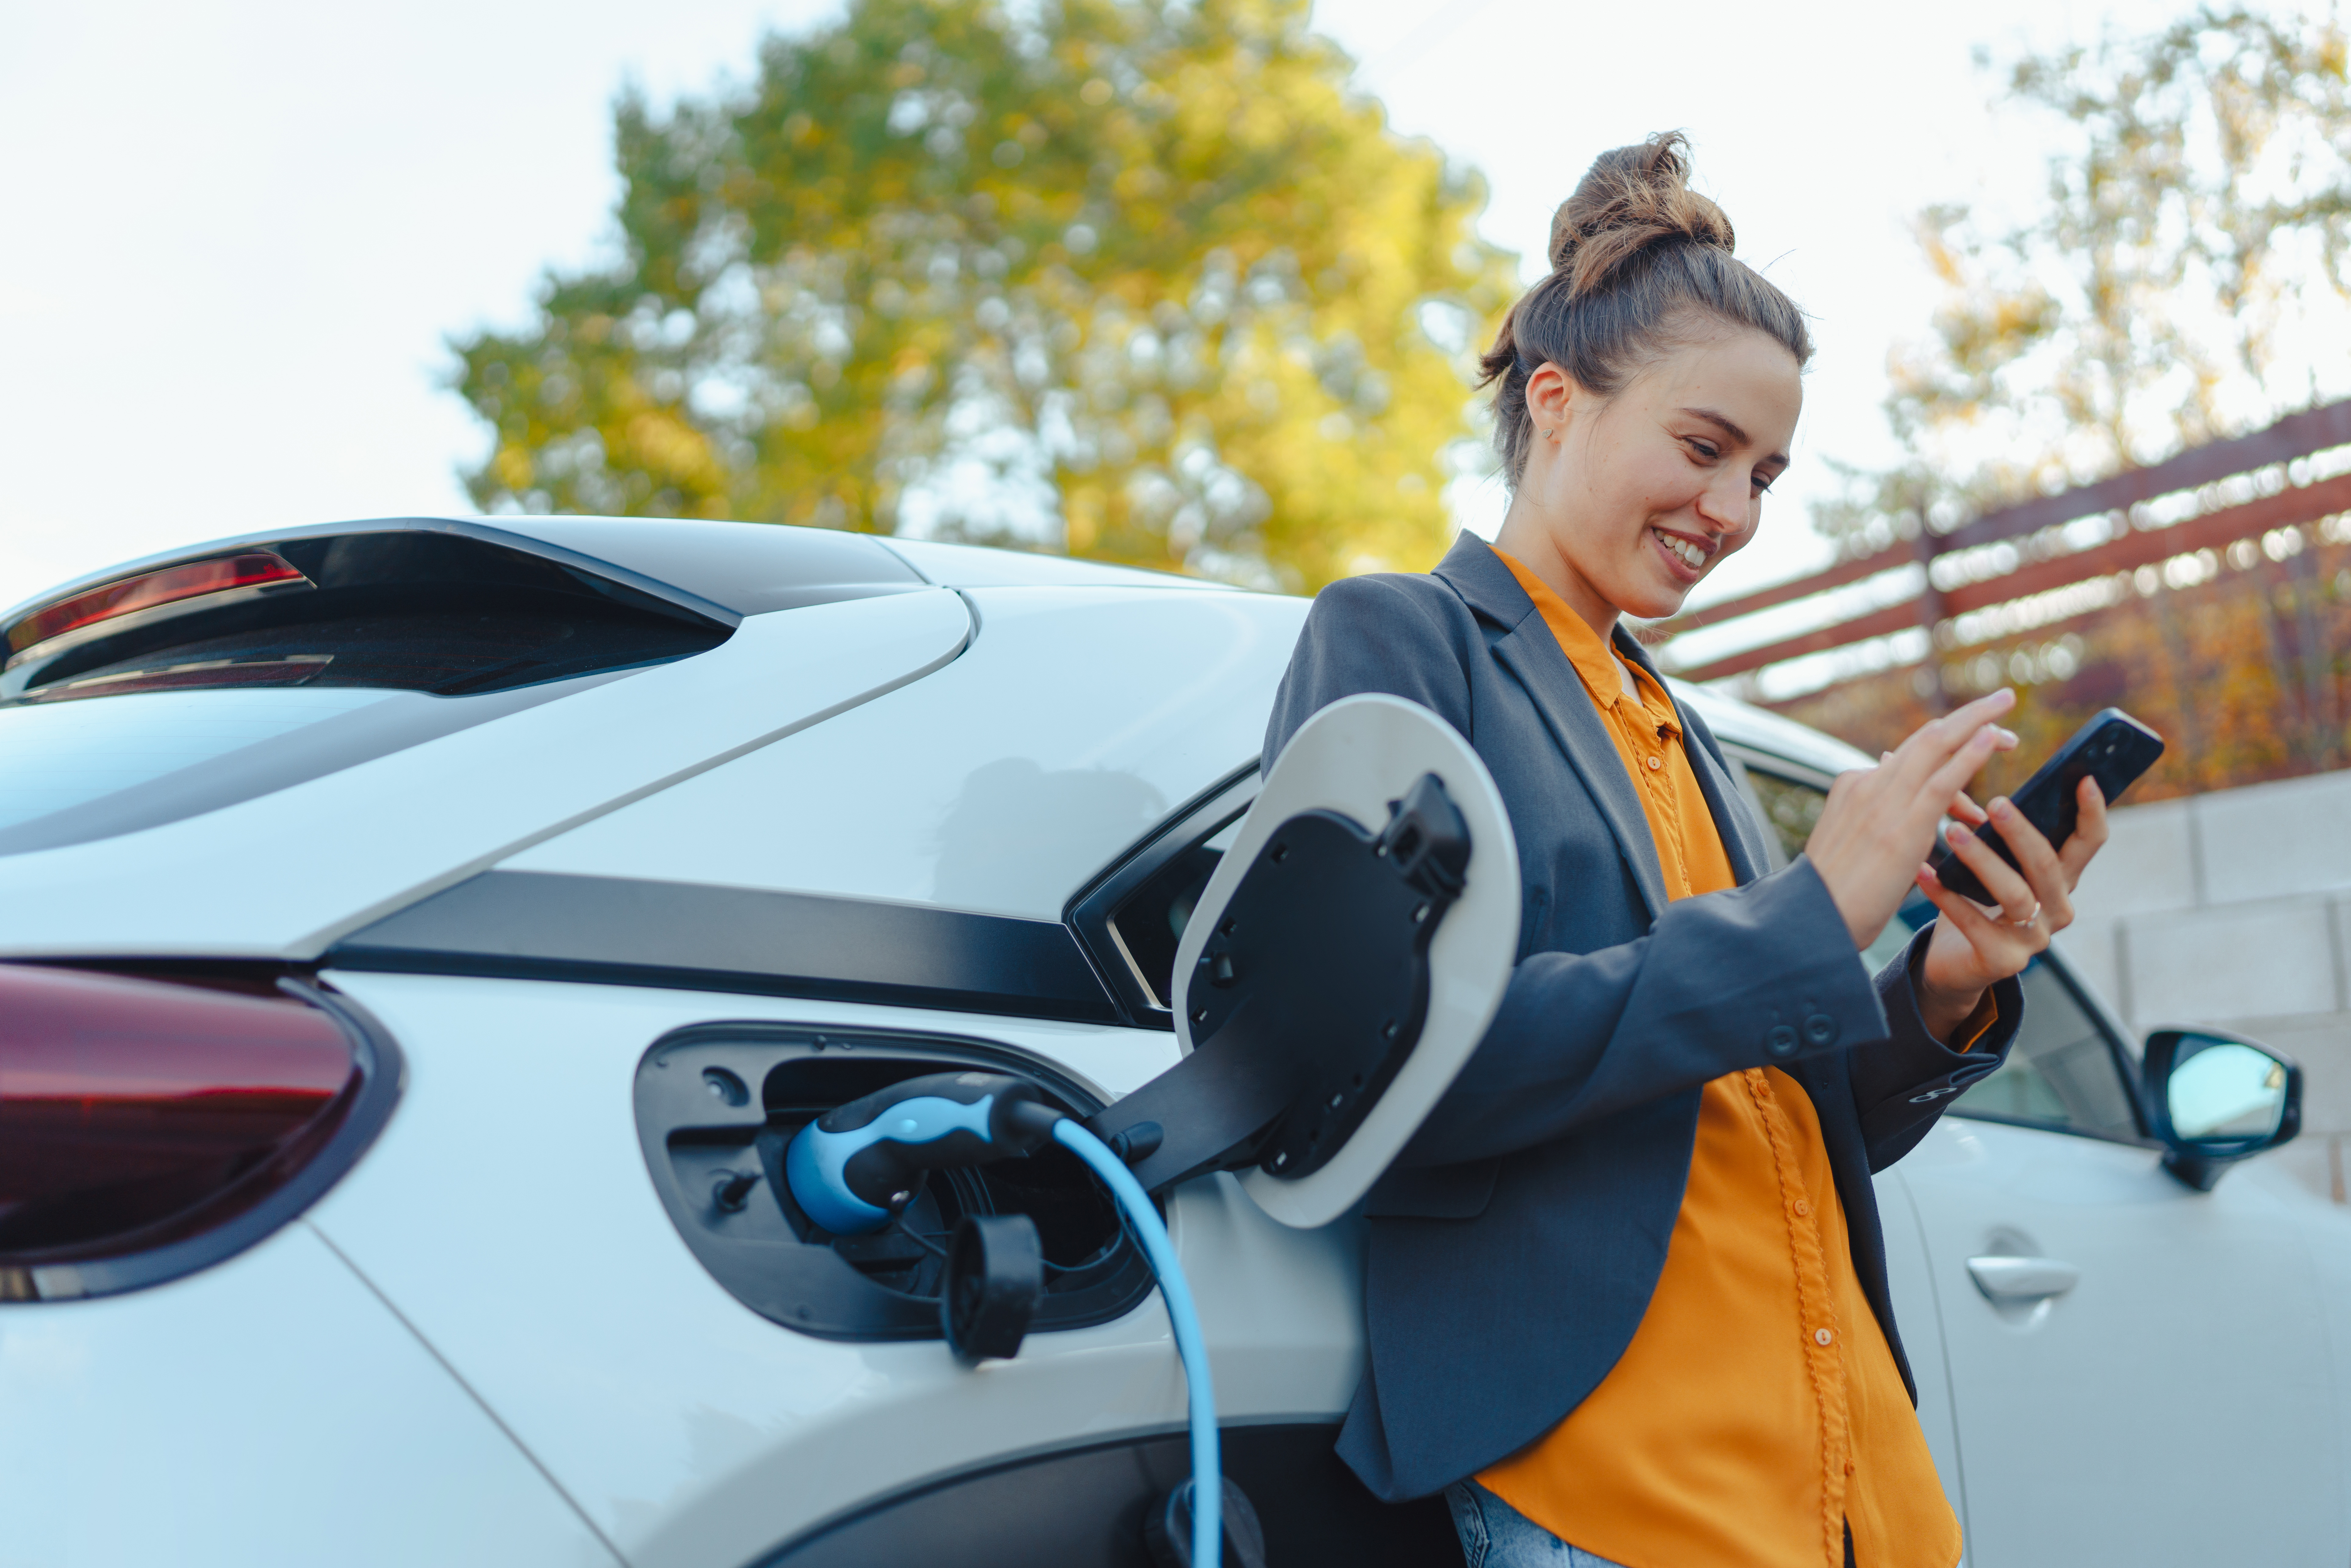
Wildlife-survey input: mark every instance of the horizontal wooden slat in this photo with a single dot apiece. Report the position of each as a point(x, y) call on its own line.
point(1788, 593)
point(1879, 624)
point(2213, 530)
point(2132, 550)
point(2296, 435)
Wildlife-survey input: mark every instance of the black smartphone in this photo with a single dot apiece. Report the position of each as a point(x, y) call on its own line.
point(2113, 748)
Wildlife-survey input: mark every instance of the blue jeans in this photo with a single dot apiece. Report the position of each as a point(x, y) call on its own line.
point(1496, 1535)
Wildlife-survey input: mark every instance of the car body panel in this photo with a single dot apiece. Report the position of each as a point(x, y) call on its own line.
point(999, 784)
point(507, 1213)
point(268, 1410)
point(282, 874)
point(2194, 1349)
point(976, 566)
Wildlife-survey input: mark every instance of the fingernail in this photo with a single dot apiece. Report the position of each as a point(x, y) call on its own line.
point(1959, 835)
point(2002, 809)
point(2007, 734)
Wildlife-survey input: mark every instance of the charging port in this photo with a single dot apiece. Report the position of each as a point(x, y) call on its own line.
point(715, 1151)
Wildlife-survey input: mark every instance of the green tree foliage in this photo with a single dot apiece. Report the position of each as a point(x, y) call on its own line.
point(1138, 279)
point(2182, 276)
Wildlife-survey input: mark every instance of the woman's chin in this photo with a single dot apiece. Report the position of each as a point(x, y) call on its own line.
point(1655, 602)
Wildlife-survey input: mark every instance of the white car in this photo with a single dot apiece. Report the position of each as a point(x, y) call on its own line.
point(423, 937)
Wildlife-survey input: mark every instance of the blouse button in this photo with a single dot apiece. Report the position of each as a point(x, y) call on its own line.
point(1823, 1337)
point(1803, 1207)
point(1657, 762)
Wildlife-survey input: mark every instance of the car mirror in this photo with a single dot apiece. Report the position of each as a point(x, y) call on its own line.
point(2215, 1099)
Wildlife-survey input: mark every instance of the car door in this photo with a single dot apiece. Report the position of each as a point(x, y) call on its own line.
point(2138, 1372)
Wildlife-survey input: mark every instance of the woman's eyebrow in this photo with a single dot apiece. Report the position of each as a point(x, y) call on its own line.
point(1736, 436)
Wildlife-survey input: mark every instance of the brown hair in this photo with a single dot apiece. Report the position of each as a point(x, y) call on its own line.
point(1634, 254)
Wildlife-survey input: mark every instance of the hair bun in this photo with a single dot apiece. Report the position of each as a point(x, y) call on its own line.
point(1630, 199)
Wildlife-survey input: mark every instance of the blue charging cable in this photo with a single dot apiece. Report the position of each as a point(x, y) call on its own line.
point(854, 1169)
point(1208, 1464)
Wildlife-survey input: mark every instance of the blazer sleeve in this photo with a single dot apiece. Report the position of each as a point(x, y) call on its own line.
point(1902, 1084)
point(1761, 974)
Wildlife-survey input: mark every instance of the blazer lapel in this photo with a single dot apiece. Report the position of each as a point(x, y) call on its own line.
point(1533, 655)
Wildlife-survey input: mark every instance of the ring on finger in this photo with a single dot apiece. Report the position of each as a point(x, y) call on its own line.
point(2030, 918)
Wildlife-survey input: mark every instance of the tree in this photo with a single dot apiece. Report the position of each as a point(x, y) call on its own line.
point(2184, 275)
point(2182, 278)
point(1137, 279)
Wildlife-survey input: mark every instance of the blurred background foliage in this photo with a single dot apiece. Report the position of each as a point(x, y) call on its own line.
point(1140, 280)
point(2180, 278)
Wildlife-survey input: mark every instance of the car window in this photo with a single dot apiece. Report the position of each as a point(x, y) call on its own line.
point(1791, 811)
point(2061, 1072)
point(181, 689)
point(1132, 917)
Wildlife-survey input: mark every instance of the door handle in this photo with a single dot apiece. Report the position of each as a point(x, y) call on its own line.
point(2006, 1281)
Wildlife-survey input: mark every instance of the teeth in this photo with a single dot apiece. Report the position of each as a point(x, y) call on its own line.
point(1692, 557)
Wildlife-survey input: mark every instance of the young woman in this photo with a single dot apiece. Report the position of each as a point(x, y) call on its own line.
point(1626, 1292)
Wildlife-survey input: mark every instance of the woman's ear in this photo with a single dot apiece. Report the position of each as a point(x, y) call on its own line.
point(1551, 398)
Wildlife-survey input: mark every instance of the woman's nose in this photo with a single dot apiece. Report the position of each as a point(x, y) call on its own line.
point(1728, 506)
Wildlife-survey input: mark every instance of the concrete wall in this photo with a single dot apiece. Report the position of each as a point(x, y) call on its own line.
point(2234, 909)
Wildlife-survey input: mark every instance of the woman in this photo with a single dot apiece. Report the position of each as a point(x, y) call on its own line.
point(1627, 1294)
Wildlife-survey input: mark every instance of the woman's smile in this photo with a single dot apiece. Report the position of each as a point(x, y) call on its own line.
point(1685, 558)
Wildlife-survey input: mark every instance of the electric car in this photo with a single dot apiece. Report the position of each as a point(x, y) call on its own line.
point(424, 938)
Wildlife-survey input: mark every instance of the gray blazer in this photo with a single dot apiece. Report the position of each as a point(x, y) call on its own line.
point(1515, 1244)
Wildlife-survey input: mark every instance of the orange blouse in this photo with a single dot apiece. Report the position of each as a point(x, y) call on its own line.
point(1758, 1411)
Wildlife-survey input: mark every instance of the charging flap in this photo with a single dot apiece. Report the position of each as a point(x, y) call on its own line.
point(1354, 773)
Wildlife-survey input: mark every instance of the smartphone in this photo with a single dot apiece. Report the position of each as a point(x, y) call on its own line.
point(2113, 748)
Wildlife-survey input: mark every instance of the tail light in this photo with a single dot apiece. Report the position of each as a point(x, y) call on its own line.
point(128, 596)
point(150, 1128)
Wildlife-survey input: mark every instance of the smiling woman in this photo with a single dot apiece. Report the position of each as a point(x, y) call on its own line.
point(1626, 1286)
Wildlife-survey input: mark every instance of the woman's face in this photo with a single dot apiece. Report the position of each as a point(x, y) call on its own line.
point(1639, 496)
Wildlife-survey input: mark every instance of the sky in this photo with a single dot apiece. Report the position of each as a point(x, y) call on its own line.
point(235, 238)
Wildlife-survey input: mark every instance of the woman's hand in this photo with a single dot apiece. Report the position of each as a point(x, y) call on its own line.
point(1874, 833)
point(1972, 948)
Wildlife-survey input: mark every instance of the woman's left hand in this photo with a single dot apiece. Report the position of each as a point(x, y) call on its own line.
point(1973, 946)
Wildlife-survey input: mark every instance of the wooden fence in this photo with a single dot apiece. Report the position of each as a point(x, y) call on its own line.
point(1958, 573)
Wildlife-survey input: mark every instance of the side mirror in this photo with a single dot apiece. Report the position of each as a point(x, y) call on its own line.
point(2215, 1099)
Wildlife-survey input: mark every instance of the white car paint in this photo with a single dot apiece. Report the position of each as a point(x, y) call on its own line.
point(1001, 782)
point(2196, 1349)
point(271, 1410)
point(506, 1211)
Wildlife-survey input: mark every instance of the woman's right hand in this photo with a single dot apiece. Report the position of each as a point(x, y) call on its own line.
point(1879, 823)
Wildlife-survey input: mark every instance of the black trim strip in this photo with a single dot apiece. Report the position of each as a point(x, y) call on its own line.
point(691, 935)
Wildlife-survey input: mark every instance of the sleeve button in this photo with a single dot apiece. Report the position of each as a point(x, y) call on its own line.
point(1780, 1041)
point(1821, 1030)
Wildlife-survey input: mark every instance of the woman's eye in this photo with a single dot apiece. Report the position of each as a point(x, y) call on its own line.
point(1705, 449)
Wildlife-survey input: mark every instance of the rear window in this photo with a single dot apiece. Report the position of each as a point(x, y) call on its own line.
point(145, 706)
